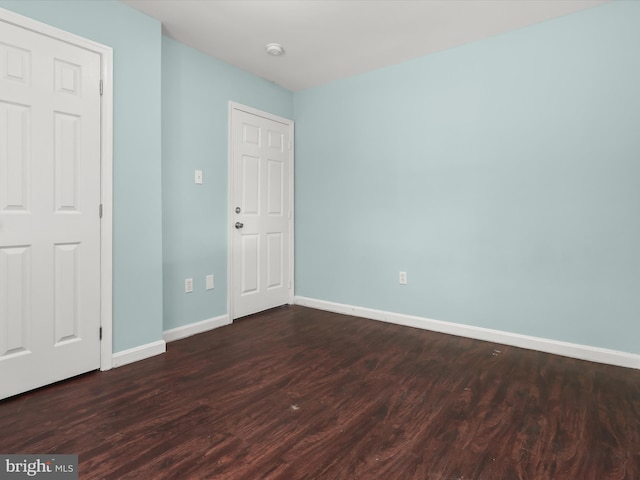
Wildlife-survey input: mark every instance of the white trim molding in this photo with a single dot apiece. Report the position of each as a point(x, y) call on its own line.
point(566, 349)
point(106, 226)
point(185, 331)
point(136, 354)
point(106, 165)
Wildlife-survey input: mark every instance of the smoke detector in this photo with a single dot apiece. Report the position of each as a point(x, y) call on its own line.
point(274, 49)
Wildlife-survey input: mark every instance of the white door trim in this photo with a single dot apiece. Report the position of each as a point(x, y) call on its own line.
point(106, 162)
point(237, 106)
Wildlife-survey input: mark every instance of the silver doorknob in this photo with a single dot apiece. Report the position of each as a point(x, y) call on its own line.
point(239, 224)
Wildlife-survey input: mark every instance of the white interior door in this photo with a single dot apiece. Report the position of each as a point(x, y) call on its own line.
point(262, 216)
point(49, 210)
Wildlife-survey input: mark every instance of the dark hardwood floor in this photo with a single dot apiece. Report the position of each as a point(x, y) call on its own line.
point(295, 393)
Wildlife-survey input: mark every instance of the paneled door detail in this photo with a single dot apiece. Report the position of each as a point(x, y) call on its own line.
point(49, 210)
point(261, 212)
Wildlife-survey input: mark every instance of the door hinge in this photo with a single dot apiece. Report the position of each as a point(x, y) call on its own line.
point(100, 87)
point(100, 210)
point(100, 333)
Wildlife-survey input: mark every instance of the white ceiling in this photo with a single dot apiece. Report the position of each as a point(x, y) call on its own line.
point(326, 40)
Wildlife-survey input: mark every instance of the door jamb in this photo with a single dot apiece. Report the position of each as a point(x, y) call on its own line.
point(253, 111)
point(106, 167)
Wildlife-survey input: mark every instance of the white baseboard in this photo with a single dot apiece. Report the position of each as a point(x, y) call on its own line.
point(139, 353)
point(573, 350)
point(156, 348)
point(195, 328)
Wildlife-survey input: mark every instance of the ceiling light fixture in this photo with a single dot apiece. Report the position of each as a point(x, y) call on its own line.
point(274, 49)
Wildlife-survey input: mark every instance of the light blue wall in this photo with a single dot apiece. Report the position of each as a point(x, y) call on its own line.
point(503, 176)
point(196, 90)
point(137, 230)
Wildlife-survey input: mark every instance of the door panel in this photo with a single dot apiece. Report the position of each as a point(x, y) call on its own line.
point(261, 163)
point(66, 293)
point(275, 193)
point(14, 296)
point(250, 267)
point(14, 158)
point(275, 260)
point(49, 201)
point(250, 185)
point(66, 161)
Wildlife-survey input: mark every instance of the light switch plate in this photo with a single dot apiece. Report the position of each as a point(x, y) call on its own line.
point(199, 177)
point(209, 282)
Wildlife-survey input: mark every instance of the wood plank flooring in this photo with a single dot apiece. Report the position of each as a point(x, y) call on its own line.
point(296, 393)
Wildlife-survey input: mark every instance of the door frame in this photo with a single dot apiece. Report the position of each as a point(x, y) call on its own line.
point(233, 106)
point(106, 167)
